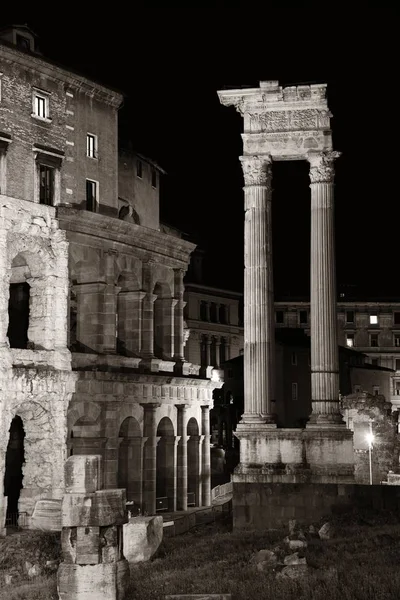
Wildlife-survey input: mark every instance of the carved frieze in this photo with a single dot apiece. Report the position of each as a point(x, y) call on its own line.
point(256, 170)
point(290, 120)
point(322, 168)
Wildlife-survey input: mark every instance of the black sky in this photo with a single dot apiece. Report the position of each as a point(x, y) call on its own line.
point(171, 60)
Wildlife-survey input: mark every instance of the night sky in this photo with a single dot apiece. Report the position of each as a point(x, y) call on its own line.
point(171, 61)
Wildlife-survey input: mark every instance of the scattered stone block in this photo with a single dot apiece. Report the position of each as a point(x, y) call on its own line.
point(93, 582)
point(46, 515)
point(142, 537)
point(293, 572)
point(297, 544)
point(326, 531)
point(294, 559)
point(264, 559)
point(111, 507)
point(34, 571)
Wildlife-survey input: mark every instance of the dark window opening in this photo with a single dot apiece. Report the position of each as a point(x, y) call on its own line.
point(303, 316)
point(279, 316)
point(350, 316)
point(374, 340)
point(374, 362)
point(91, 195)
point(213, 312)
point(46, 185)
point(203, 311)
point(222, 314)
point(154, 178)
point(14, 460)
point(18, 315)
point(397, 318)
point(23, 42)
point(139, 168)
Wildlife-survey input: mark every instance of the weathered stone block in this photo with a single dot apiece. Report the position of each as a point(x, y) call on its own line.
point(88, 545)
point(68, 544)
point(111, 507)
point(82, 474)
point(142, 536)
point(78, 510)
point(47, 515)
point(93, 582)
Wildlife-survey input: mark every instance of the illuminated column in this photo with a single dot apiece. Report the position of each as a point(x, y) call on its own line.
point(150, 457)
point(205, 458)
point(208, 351)
point(259, 334)
point(180, 305)
point(217, 353)
point(182, 459)
point(324, 347)
point(148, 325)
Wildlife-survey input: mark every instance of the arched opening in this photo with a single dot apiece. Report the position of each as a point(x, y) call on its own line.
point(193, 461)
point(165, 471)
point(13, 473)
point(129, 459)
point(18, 303)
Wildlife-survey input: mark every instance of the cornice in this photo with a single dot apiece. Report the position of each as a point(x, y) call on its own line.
point(58, 74)
point(109, 230)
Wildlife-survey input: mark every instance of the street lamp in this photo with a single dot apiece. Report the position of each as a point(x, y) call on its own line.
point(370, 440)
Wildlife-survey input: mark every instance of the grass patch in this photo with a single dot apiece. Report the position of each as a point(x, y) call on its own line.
point(212, 559)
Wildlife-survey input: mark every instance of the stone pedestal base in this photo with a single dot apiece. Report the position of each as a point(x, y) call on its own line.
point(104, 581)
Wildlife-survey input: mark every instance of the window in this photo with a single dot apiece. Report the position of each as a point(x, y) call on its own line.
point(397, 340)
point(349, 316)
point(154, 178)
point(139, 168)
point(91, 145)
point(373, 340)
point(373, 319)
point(40, 105)
point(303, 315)
point(375, 390)
point(294, 359)
point(375, 362)
point(294, 391)
point(279, 316)
point(46, 185)
point(397, 388)
point(203, 311)
point(396, 318)
point(91, 195)
point(23, 42)
point(397, 364)
point(350, 340)
point(357, 389)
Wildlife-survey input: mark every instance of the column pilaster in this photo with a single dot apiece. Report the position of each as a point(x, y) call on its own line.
point(179, 289)
point(130, 321)
point(148, 325)
point(205, 456)
point(182, 458)
point(150, 457)
point(259, 328)
point(324, 346)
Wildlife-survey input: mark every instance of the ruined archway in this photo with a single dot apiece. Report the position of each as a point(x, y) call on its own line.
point(129, 459)
point(193, 461)
point(15, 458)
point(165, 466)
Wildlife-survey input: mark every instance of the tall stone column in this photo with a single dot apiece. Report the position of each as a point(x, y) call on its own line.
point(259, 342)
point(178, 320)
point(205, 456)
point(324, 346)
point(217, 353)
point(150, 457)
point(208, 351)
point(182, 458)
point(109, 304)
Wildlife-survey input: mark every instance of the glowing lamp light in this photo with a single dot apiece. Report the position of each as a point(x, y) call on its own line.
point(370, 438)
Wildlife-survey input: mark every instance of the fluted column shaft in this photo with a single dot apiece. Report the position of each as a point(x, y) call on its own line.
point(205, 458)
point(259, 342)
point(324, 346)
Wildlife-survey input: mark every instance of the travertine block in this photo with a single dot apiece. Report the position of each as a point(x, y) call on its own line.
point(87, 545)
point(105, 507)
point(47, 515)
point(105, 581)
point(111, 507)
point(82, 474)
point(142, 537)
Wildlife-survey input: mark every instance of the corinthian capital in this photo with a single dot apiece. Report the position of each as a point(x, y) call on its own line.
point(256, 169)
point(322, 169)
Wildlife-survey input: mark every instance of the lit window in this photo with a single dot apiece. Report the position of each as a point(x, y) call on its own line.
point(91, 145)
point(294, 358)
point(397, 388)
point(294, 391)
point(139, 168)
point(373, 319)
point(91, 195)
point(374, 340)
point(279, 316)
point(303, 315)
point(350, 340)
point(46, 185)
point(397, 364)
point(154, 178)
point(40, 105)
point(349, 316)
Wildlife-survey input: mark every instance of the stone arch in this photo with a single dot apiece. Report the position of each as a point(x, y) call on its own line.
point(130, 459)
point(37, 254)
point(193, 461)
point(163, 320)
point(165, 469)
